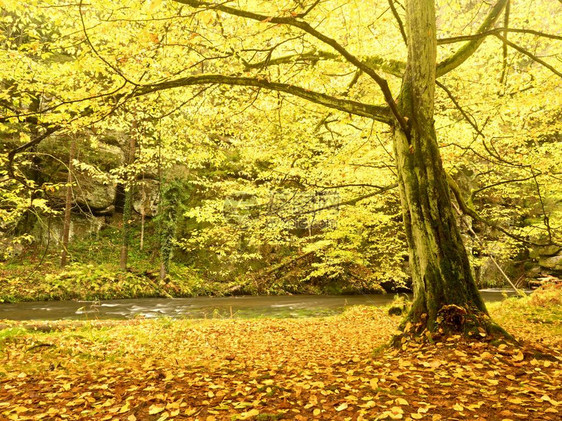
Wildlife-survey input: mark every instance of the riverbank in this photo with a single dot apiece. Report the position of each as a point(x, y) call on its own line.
point(93, 273)
point(271, 369)
point(102, 281)
point(95, 282)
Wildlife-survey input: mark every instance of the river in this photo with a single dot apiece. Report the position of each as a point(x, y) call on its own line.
point(202, 307)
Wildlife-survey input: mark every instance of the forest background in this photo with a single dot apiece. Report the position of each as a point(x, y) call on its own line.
point(110, 189)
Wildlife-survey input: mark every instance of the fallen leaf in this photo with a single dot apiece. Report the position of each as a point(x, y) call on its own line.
point(342, 406)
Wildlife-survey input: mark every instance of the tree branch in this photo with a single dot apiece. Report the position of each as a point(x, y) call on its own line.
point(379, 113)
point(306, 27)
point(473, 193)
point(528, 54)
point(351, 201)
point(468, 210)
point(458, 106)
point(494, 31)
point(389, 66)
point(503, 77)
point(311, 56)
point(12, 154)
point(469, 48)
point(398, 20)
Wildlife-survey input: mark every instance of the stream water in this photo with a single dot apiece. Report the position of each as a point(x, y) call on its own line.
point(202, 307)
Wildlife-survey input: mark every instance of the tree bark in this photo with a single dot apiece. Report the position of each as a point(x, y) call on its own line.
point(444, 287)
point(128, 206)
point(67, 206)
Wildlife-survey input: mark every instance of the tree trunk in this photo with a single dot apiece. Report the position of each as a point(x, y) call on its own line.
point(168, 215)
point(143, 216)
point(67, 206)
point(445, 292)
point(128, 206)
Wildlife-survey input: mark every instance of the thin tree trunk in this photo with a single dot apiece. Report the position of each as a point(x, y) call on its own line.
point(128, 206)
point(444, 287)
point(143, 216)
point(67, 206)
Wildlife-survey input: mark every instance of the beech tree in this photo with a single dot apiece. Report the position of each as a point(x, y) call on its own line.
point(444, 287)
point(142, 55)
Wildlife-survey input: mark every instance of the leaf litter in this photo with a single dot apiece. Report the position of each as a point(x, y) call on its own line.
point(269, 369)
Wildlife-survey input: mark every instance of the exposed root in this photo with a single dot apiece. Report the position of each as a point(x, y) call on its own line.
point(452, 320)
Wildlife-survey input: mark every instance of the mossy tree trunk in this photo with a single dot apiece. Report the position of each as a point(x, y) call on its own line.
point(68, 205)
point(128, 205)
point(441, 272)
point(170, 200)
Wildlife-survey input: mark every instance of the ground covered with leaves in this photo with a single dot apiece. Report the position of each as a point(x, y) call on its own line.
point(265, 369)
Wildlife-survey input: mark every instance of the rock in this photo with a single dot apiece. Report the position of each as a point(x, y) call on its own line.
point(80, 227)
point(487, 273)
point(94, 194)
point(553, 262)
point(88, 193)
point(395, 311)
point(551, 250)
point(148, 192)
point(9, 249)
point(532, 271)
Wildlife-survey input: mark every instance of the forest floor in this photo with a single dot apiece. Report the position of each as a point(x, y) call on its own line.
point(266, 369)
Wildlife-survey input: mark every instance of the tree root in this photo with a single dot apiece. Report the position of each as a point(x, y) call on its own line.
point(452, 320)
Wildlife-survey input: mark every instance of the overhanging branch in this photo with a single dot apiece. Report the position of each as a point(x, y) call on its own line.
point(379, 113)
point(306, 27)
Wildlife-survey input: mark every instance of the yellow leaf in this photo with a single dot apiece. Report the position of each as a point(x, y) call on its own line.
point(249, 414)
point(24, 137)
point(154, 4)
point(458, 407)
point(156, 409)
point(396, 413)
point(416, 416)
point(342, 406)
point(401, 401)
point(435, 364)
point(486, 355)
point(519, 356)
point(316, 412)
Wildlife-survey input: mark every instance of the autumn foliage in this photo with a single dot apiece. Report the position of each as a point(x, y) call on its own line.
point(259, 369)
